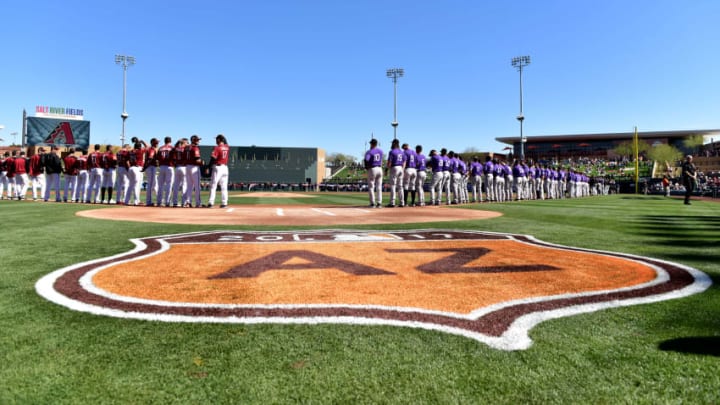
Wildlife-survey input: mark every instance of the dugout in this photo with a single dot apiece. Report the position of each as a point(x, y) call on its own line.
point(274, 165)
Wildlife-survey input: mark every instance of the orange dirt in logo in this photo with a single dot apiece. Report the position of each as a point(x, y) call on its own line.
point(451, 276)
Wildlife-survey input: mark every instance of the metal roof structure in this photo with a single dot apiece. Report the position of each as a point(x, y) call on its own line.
point(511, 140)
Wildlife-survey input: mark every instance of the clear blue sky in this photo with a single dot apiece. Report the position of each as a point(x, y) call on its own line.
point(312, 73)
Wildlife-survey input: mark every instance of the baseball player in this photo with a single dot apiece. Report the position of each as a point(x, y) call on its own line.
point(410, 175)
point(121, 174)
point(373, 165)
point(36, 174)
point(436, 164)
point(95, 175)
point(489, 174)
point(396, 167)
point(179, 183)
point(83, 177)
point(166, 172)
point(53, 167)
point(4, 184)
point(520, 180)
point(447, 175)
point(453, 169)
point(20, 175)
point(509, 181)
point(70, 173)
point(499, 181)
point(135, 174)
point(476, 179)
point(193, 162)
point(218, 161)
point(10, 167)
point(150, 169)
point(462, 185)
point(109, 165)
point(421, 174)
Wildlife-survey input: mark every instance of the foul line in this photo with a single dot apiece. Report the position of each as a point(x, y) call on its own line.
point(323, 212)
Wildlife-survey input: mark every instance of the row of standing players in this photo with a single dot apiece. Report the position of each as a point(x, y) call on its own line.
point(407, 171)
point(171, 174)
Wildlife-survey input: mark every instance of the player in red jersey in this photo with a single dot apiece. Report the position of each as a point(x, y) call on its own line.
point(122, 182)
point(109, 165)
point(192, 172)
point(135, 174)
point(10, 167)
point(219, 163)
point(82, 179)
point(36, 174)
point(179, 183)
point(4, 183)
point(166, 172)
point(21, 177)
point(71, 173)
point(150, 169)
point(95, 175)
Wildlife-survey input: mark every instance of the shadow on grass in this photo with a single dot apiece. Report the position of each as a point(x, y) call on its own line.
point(686, 234)
point(693, 345)
point(643, 197)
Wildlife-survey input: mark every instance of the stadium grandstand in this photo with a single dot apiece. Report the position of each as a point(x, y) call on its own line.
point(600, 145)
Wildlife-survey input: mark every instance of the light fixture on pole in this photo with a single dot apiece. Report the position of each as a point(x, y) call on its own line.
point(124, 61)
point(14, 135)
point(394, 73)
point(520, 62)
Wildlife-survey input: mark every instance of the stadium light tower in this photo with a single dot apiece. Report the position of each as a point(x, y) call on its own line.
point(124, 61)
point(394, 73)
point(520, 62)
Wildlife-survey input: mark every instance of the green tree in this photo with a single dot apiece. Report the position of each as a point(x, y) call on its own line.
point(665, 155)
point(627, 148)
point(693, 142)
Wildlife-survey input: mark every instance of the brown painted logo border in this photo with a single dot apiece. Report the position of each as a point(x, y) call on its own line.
point(504, 326)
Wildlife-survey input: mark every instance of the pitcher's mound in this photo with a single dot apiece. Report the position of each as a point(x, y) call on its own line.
point(291, 215)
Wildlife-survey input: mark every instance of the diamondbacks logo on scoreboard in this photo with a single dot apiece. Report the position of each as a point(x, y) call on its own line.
point(489, 287)
point(60, 132)
point(61, 135)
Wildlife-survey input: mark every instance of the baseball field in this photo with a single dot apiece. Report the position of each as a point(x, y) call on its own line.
point(105, 304)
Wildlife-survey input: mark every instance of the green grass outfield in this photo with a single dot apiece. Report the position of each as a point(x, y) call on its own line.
point(667, 352)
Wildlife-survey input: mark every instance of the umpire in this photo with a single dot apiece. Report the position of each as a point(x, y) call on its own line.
point(689, 177)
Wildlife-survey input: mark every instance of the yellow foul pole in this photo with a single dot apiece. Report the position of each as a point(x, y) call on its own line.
point(636, 148)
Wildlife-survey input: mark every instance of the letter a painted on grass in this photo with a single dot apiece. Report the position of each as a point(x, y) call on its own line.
point(310, 261)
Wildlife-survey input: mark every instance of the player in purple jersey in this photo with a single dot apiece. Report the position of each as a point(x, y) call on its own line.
point(421, 174)
point(476, 179)
point(455, 176)
point(489, 174)
point(396, 167)
point(520, 180)
point(446, 176)
point(410, 175)
point(373, 165)
point(436, 164)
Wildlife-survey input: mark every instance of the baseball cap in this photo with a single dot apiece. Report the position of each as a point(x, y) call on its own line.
point(373, 141)
point(195, 137)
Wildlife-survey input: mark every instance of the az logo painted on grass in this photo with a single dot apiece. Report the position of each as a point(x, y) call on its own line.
point(490, 287)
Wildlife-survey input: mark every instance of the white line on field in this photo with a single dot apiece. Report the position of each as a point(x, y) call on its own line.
point(323, 212)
